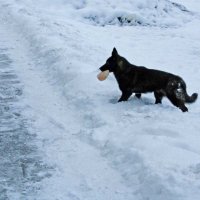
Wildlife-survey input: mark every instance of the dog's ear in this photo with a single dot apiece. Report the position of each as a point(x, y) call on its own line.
point(114, 52)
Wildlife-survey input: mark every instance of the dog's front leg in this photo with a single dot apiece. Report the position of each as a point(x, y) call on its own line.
point(158, 95)
point(125, 96)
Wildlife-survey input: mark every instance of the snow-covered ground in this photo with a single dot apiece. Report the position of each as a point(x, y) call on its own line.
point(94, 148)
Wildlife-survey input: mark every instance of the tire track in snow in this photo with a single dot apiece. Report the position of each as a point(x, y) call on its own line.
point(21, 165)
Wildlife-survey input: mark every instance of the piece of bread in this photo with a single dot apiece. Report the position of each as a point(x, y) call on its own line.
point(103, 75)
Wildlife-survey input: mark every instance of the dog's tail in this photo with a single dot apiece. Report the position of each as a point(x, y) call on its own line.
point(190, 99)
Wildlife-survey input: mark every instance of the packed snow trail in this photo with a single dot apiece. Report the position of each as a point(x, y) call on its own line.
point(78, 171)
point(99, 149)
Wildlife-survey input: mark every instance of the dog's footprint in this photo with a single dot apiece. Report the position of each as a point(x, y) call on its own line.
point(93, 121)
point(113, 101)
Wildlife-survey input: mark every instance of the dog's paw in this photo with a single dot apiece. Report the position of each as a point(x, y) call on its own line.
point(184, 109)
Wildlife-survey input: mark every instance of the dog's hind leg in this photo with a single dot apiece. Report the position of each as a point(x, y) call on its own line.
point(158, 95)
point(175, 93)
point(125, 96)
point(177, 102)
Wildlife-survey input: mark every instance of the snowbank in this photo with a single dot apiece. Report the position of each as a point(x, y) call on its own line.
point(122, 12)
point(148, 12)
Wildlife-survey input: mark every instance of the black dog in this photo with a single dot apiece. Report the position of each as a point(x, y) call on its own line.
point(136, 79)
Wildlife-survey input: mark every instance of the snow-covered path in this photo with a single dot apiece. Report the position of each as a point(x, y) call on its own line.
point(89, 147)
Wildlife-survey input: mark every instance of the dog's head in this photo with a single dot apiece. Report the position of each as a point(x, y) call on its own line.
point(114, 62)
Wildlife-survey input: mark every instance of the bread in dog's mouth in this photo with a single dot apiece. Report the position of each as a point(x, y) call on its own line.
point(103, 75)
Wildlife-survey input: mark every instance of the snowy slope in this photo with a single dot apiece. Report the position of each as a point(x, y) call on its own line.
point(101, 149)
point(192, 5)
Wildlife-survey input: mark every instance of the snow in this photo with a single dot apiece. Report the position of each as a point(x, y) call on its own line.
point(98, 148)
